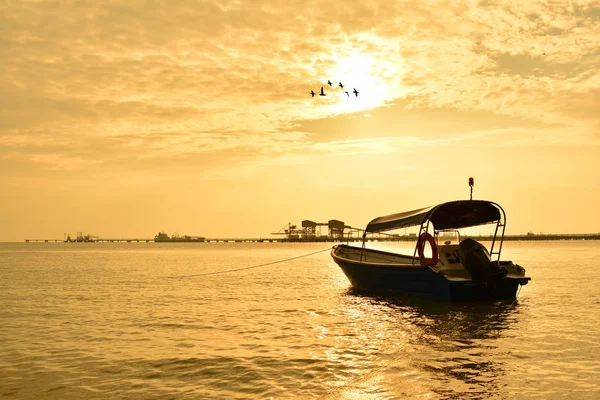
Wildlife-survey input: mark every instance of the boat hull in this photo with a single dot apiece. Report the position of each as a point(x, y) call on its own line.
point(413, 279)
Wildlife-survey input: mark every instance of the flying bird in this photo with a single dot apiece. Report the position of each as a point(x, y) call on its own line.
point(347, 94)
point(342, 86)
point(322, 94)
point(312, 93)
point(329, 83)
point(355, 92)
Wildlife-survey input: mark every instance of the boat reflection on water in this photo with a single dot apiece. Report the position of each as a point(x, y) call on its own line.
point(440, 349)
point(479, 320)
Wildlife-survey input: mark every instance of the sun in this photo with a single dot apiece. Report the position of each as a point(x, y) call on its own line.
point(365, 73)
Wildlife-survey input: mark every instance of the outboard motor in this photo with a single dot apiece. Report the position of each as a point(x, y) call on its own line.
point(476, 260)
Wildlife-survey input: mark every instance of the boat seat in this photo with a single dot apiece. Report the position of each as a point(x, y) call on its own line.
point(448, 255)
point(449, 262)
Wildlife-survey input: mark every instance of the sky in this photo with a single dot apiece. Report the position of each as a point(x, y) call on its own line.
point(125, 118)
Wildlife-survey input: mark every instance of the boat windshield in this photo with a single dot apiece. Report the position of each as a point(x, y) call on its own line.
point(449, 237)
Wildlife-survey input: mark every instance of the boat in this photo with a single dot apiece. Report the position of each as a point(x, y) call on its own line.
point(163, 237)
point(458, 270)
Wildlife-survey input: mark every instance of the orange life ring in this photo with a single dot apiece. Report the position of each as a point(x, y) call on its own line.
point(421, 248)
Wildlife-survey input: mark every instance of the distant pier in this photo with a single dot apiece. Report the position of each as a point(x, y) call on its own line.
point(206, 240)
point(381, 238)
point(96, 240)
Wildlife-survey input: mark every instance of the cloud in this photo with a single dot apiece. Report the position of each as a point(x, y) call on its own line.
point(146, 79)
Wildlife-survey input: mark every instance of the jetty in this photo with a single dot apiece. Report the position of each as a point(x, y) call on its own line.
point(370, 238)
point(333, 231)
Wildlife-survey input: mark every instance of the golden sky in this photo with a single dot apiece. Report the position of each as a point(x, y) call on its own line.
point(123, 118)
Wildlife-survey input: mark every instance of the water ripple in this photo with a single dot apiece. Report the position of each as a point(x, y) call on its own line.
point(96, 322)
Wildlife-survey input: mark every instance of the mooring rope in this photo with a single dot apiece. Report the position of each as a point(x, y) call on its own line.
point(244, 268)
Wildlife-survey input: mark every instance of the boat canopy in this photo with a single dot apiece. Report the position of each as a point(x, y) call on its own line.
point(451, 215)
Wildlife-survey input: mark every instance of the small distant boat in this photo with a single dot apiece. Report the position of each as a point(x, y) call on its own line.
point(163, 237)
point(461, 271)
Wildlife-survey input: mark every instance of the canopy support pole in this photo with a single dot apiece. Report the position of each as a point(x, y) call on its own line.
point(500, 224)
point(363, 245)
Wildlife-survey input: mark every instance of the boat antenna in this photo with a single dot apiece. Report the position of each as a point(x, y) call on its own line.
point(471, 184)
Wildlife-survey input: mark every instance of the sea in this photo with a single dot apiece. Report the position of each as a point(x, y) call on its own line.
point(281, 321)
